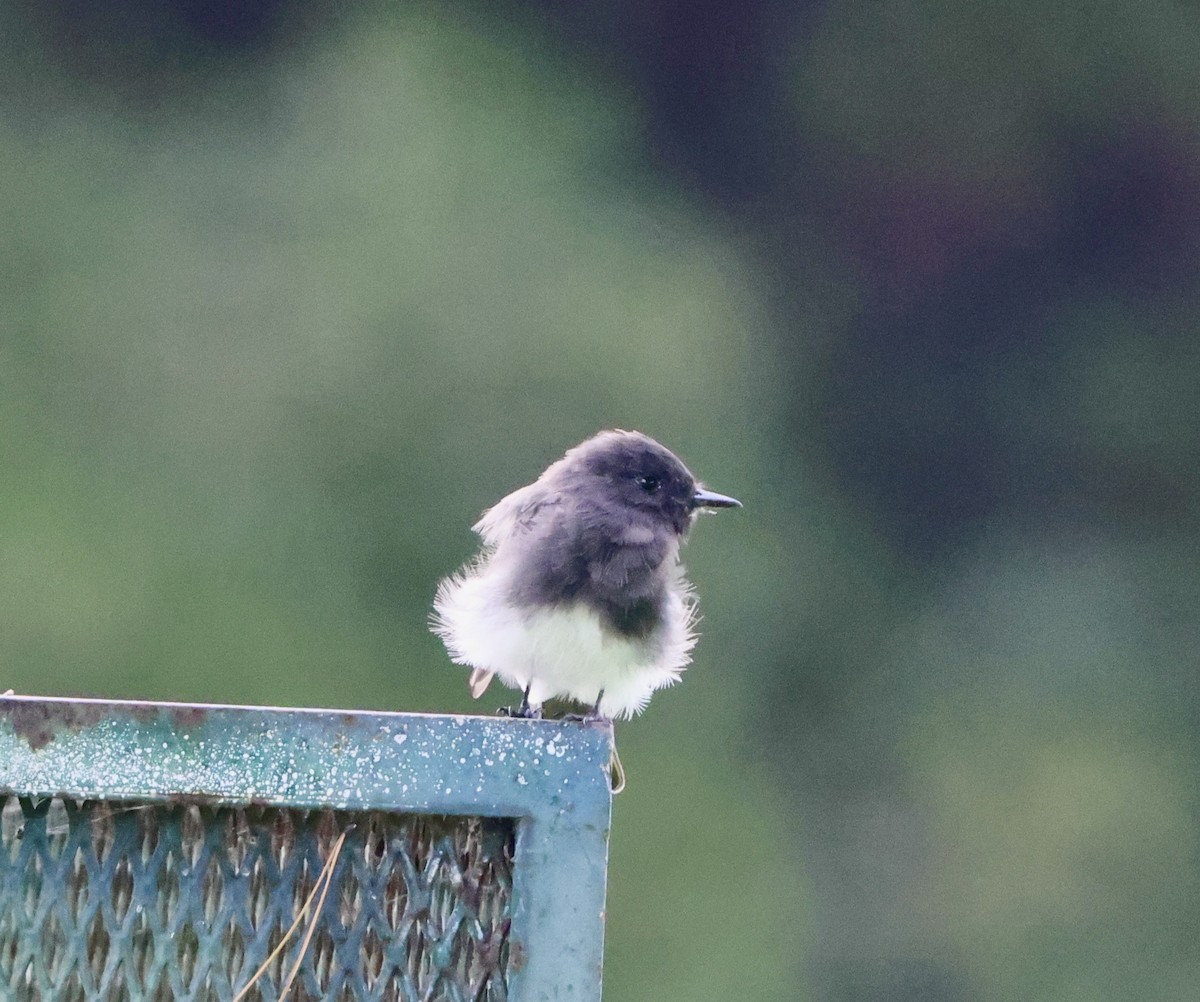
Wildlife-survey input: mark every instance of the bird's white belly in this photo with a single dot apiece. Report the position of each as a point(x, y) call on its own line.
point(562, 651)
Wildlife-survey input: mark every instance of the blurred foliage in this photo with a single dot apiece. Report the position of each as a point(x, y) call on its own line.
point(292, 291)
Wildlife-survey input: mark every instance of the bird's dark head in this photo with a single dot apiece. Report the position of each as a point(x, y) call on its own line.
point(633, 472)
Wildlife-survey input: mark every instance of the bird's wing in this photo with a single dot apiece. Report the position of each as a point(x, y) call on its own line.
point(480, 680)
point(518, 512)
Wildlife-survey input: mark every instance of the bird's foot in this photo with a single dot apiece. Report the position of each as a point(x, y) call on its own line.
point(522, 712)
point(592, 716)
point(525, 711)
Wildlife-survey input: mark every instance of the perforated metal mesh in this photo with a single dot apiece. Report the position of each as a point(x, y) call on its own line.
point(131, 902)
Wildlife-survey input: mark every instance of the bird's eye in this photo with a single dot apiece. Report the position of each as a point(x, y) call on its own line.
point(649, 484)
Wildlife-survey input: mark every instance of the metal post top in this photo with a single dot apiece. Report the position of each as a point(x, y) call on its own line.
point(231, 768)
point(346, 759)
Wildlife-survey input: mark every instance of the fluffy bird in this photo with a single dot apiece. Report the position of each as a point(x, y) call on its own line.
point(578, 592)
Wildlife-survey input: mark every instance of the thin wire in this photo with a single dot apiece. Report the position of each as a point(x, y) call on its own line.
point(325, 875)
point(617, 777)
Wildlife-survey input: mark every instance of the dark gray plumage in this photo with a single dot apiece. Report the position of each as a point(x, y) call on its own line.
point(578, 592)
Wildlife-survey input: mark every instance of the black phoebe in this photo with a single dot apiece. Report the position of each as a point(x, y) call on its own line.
point(578, 593)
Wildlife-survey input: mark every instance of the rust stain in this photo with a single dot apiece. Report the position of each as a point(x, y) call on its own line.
point(39, 723)
point(184, 717)
point(193, 799)
point(516, 955)
point(198, 798)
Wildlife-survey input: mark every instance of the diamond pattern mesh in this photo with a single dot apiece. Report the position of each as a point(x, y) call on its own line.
point(157, 903)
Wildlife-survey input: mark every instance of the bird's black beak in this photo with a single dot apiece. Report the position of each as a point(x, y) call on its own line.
point(711, 499)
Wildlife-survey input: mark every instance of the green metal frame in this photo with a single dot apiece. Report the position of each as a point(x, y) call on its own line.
point(552, 777)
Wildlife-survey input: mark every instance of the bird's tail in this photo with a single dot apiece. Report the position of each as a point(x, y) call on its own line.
point(481, 678)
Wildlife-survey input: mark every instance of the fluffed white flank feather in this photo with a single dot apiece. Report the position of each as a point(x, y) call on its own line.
point(564, 651)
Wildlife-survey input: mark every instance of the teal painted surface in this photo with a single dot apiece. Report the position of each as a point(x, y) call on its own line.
point(550, 777)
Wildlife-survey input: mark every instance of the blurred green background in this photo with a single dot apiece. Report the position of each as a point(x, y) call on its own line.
point(290, 291)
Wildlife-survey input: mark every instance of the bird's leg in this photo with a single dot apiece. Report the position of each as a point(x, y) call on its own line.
point(524, 711)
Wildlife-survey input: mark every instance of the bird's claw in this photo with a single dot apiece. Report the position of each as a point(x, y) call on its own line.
point(521, 712)
point(592, 717)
